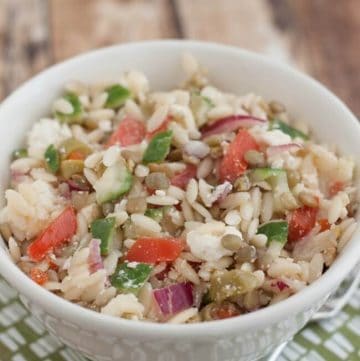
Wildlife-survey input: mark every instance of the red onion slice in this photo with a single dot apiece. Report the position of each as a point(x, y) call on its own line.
point(230, 124)
point(276, 149)
point(95, 260)
point(174, 298)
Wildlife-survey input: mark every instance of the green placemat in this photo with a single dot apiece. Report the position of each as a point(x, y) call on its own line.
point(23, 338)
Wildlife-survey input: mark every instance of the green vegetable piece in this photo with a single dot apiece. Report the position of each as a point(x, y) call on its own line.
point(76, 115)
point(131, 276)
point(276, 231)
point(200, 105)
point(262, 174)
point(155, 213)
point(117, 96)
point(287, 129)
point(103, 229)
point(158, 147)
point(52, 159)
point(115, 181)
point(70, 167)
point(20, 153)
point(231, 284)
point(72, 144)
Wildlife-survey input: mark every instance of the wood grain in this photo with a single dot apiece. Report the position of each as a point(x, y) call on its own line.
point(325, 37)
point(81, 25)
point(247, 24)
point(24, 41)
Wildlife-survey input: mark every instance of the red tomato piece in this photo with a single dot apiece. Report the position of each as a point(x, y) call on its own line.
point(335, 188)
point(56, 234)
point(38, 276)
point(162, 128)
point(154, 250)
point(233, 164)
point(130, 131)
point(182, 179)
point(324, 224)
point(225, 310)
point(302, 221)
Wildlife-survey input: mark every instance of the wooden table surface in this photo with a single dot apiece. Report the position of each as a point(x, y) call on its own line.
point(321, 37)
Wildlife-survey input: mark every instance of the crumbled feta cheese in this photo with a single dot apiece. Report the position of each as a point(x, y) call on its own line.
point(269, 137)
point(207, 245)
point(44, 133)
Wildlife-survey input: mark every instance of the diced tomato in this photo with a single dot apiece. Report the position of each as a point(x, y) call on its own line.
point(335, 188)
point(233, 164)
point(302, 221)
point(154, 250)
point(38, 276)
point(182, 179)
point(76, 155)
point(324, 224)
point(225, 310)
point(55, 235)
point(162, 128)
point(130, 131)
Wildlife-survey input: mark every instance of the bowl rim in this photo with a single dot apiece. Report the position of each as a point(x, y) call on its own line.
point(304, 300)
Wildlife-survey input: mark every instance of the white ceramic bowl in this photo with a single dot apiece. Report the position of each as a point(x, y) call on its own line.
point(247, 337)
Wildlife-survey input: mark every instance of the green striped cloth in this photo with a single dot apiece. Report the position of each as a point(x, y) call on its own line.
point(22, 338)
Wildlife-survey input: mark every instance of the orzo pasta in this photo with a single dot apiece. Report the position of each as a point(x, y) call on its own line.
point(180, 206)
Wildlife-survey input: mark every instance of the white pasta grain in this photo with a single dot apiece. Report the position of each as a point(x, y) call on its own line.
point(202, 210)
point(145, 296)
point(205, 167)
point(141, 170)
point(346, 236)
point(184, 316)
point(162, 200)
point(234, 200)
point(335, 210)
point(256, 201)
point(145, 226)
point(186, 271)
point(111, 156)
point(93, 160)
point(90, 175)
point(176, 192)
point(259, 240)
point(63, 106)
point(192, 191)
point(252, 229)
point(100, 114)
point(157, 118)
point(246, 211)
point(232, 218)
point(267, 207)
point(14, 250)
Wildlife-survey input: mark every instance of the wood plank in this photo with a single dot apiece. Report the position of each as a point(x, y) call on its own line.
point(82, 25)
point(24, 42)
point(247, 24)
point(326, 38)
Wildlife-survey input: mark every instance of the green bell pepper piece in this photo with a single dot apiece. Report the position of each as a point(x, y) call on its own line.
point(158, 147)
point(52, 159)
point(130, 276)
point(103, 229)
point(117, 96)
point(276, 231)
